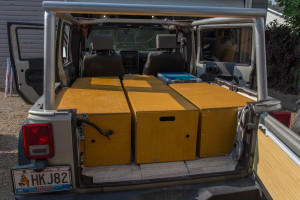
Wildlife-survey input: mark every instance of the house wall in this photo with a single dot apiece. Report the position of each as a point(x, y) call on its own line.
point(259, 3)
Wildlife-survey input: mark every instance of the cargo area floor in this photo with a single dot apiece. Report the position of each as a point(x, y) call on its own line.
point(154, 171)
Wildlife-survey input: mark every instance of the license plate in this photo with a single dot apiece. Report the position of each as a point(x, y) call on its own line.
point(49, 180)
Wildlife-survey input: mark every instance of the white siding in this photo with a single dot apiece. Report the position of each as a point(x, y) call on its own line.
point(273, 15)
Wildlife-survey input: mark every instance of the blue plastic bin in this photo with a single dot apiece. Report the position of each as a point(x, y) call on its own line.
point(177, 77)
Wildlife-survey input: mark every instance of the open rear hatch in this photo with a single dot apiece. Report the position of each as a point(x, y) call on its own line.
point(152, 129)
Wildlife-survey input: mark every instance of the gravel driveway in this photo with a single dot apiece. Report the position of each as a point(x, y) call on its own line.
point(13, 112)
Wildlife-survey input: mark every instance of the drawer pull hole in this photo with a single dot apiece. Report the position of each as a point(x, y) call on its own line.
point(169, 118)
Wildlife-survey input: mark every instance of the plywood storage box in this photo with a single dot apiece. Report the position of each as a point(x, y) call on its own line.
point(218, 116)
point(105, 104)
point(164, 123)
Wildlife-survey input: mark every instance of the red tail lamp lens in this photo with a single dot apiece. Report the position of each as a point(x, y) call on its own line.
point(38, 141)
point(283, 117)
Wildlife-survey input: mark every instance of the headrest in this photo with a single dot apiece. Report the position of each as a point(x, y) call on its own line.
point(166, 41)
point(102, 42)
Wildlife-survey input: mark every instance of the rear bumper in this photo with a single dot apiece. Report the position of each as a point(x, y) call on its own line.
point(235, 189)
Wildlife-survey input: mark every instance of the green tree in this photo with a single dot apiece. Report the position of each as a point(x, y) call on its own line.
point(291, 11)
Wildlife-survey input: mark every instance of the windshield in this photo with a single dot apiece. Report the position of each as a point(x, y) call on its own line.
point(130, 39)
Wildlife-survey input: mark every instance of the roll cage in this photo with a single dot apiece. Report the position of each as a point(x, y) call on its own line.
point(216, 15)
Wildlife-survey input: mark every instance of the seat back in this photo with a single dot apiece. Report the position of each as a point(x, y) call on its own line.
point(164, 61)
point(104, 61)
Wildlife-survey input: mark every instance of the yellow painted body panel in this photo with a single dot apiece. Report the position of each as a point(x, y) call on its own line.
point(279, 174)
point(156, 140)
point(105, 104)
point(218, 116)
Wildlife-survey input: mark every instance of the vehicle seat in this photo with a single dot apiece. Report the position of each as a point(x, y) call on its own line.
point(167, 60)
point(104, 61)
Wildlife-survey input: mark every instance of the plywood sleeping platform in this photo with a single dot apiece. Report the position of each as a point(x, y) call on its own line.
point(104, 101)
point(155, 171)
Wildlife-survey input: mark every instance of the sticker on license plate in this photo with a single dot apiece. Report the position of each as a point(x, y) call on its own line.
point(49, 180)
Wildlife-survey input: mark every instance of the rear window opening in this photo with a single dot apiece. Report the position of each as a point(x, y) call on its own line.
point(129, 39)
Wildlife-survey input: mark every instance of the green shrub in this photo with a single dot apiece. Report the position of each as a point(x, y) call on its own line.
point(282, 56)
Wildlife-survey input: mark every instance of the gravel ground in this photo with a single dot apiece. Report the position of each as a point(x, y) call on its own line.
point(13, 112)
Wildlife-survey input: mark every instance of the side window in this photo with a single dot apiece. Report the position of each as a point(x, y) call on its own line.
point(227, 45)
point(66, 53)
point(30, 42)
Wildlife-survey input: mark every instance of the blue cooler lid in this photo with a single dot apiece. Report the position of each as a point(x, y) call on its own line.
point(178, 76)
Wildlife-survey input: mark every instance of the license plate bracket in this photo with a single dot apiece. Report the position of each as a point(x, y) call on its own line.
point(51, 179)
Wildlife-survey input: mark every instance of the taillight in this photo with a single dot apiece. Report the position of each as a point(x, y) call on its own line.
point(38, 141)
point(283, 117)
